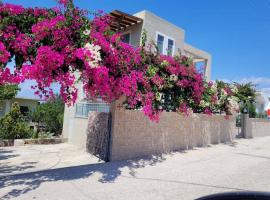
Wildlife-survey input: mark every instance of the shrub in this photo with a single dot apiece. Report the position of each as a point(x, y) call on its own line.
point(13, 126)
point(51, 113)
point(8, 91)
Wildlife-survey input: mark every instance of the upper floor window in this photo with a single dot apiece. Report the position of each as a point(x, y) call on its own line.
point(160, 43)
point(165, 44)
point(170, 47)
point(126, 38)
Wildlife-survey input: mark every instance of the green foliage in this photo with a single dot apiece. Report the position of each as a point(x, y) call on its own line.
point(45, 135)
point(13, 126)
point(51, 113)
point(247, 97)
point(246, 92)
point(252, 110)
point(8, 91)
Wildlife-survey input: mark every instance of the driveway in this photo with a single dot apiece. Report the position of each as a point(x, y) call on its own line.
point(25, 159)
point(183, 175)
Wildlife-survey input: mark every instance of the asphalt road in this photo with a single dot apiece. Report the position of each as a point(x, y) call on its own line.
point(244, 166)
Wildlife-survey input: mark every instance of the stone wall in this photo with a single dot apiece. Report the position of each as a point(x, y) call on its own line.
point(98, 134)
point(134, 135)
point(257, 127)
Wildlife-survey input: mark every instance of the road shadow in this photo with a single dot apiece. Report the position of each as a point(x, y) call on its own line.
point(6, 154)
point(23, 183)
point(6, 166)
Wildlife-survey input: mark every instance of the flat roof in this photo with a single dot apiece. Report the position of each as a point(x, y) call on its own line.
point(26, 98)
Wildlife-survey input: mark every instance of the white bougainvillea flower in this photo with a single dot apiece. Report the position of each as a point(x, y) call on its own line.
point(233, 105)
point(95, 58)
point(173, 77)
point(204, 104)
point(158, 96)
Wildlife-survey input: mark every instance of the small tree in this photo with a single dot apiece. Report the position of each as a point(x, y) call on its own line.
point(247, 96)
point(12, 125)
point(8, 91)
point(50, 113)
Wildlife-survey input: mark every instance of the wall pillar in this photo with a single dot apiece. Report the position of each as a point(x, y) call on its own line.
point(246, 126)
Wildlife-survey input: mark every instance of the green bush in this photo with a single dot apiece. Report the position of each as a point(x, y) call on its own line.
point(13, 126)
point(8, 91)
point(51, 114)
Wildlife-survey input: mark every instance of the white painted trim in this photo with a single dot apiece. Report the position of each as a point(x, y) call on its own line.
point(159, 33)
point(165, 43)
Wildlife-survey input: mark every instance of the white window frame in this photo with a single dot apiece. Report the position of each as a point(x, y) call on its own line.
point(127, 32)
point(165, 43)
point(173, 48)
point(161, 34)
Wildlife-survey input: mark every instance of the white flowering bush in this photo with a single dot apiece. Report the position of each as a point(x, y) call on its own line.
point(93, 55)
point(220, 98)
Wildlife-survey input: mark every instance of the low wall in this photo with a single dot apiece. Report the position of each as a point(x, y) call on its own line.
point(134, 135)
point(75, 132)
point(6, 143)
point(257, 127)
point(22, 142)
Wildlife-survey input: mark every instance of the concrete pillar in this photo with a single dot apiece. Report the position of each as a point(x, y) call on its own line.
point(246, 126)
point(207, 72)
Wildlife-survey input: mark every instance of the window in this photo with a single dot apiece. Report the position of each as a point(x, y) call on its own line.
point(170, 47)
point(82, 109)
point(200, 66)
point(165, 44)
point(160, 43)
point(24, 110)
point(126, 38)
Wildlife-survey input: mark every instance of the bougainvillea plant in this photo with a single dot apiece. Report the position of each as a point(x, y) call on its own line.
point(63, 45)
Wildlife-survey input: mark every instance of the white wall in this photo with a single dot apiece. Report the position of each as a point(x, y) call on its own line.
point(154, 24)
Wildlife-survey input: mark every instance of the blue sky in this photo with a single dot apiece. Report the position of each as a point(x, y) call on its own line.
point(236, 33)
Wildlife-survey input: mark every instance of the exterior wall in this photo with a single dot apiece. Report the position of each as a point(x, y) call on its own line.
point(135, 34)
point(74, 128)
point(134, 135)
point(200, 56)
point(69, 117)
point(257, 127)
point(6, 105)
point(153, 24)
point(31, 104)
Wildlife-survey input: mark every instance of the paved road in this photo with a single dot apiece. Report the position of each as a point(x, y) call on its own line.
point(31, 158)
point(185, 176)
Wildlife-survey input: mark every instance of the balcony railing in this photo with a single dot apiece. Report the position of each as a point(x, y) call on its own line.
point(82, 109)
